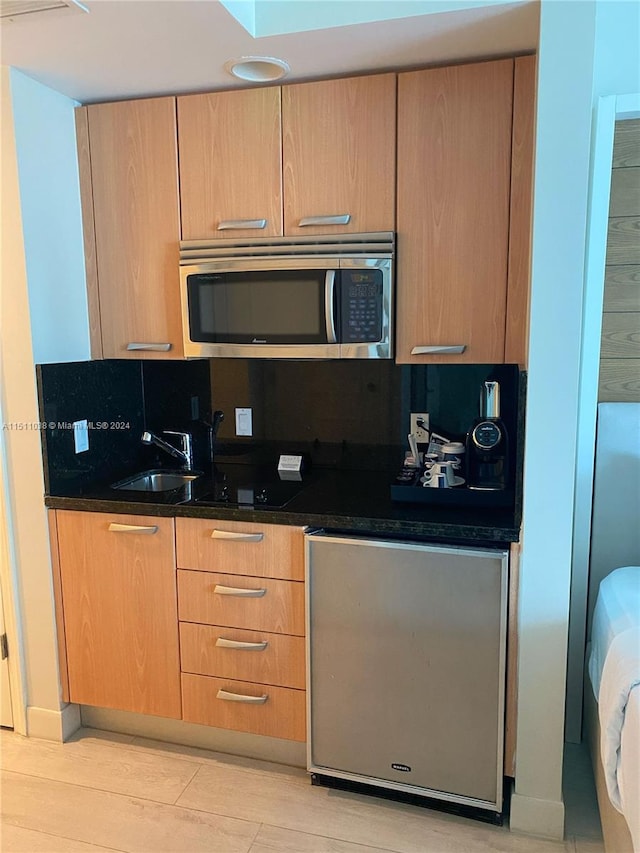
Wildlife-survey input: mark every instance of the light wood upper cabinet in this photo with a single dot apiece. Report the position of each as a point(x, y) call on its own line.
point(522, 160)
point(339, 154)
point(134, 184)
point(454, 168)
point(118, 581)
point(230, 164)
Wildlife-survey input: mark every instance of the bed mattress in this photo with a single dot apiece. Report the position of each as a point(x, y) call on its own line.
point(617, 609)
point(614, 671)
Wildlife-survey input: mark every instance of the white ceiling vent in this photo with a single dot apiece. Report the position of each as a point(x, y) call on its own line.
point(13, 11)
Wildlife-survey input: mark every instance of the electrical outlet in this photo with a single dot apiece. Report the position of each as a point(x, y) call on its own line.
point(421, 433)
point(80, 436)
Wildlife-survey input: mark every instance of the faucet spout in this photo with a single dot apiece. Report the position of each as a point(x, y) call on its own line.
point(185, 455)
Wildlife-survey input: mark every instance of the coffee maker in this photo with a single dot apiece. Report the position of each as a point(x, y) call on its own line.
point(487, 446)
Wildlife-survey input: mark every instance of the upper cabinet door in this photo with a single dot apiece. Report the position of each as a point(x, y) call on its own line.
point(522, 161)
point(230, 164)
point(134, 170)
point(339, 155)
point(454, 164)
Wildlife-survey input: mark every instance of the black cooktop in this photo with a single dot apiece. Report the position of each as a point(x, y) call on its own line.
point(249, 485)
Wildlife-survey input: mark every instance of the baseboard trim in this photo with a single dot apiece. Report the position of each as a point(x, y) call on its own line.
point(53, 725)
point(277, 750)
point(531, 816)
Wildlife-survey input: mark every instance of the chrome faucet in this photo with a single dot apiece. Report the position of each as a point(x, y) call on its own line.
point(185, 454)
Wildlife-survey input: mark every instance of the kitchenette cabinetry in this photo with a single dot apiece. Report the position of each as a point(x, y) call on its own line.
point(456, 279)
point(315, 159)
point(339, 153)
point(129, 182)
point(241, 610)
point(236, 657)
point(326, 150)
point(204, 620)
point(230, 164)
point(118, 583)
point(454, 155)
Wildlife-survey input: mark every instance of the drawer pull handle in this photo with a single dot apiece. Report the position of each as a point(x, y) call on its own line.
point(435, 350)
point(231, 535)
point(338, 219)
point(241, 593)
point(239, 697)
point(133, 528)
point(223, 643)
point(236, 224)
point(149, 347)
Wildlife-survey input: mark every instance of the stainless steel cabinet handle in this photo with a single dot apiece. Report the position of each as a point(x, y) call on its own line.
point(329, 287)
point(239, 591)
point(239, 697)
point(237, 224)
point(455, 350)
point(133, 528)
point(231, 535)
point(223, 643)
point(338, 219)
point(150, 347)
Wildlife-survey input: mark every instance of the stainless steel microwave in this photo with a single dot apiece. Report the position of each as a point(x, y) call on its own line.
point(307, 297)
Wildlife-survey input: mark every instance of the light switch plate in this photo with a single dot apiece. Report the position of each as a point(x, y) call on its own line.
point(81, 436)
point(244, 422)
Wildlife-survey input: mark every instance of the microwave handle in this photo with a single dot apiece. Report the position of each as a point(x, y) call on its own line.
point(329, 306)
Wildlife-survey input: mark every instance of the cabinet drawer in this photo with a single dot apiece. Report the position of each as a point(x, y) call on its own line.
point(282, 714)
point(265, 550)
point(243, 655)
point(279, 609)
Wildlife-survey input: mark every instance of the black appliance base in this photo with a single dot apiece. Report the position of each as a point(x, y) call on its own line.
point(484, 815)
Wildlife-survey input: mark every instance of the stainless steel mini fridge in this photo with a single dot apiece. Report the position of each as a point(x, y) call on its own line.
point(406, 666)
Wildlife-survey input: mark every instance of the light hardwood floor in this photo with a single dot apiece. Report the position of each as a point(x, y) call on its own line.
point(104, 791)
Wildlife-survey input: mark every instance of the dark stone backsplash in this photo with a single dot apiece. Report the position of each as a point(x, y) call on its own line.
point(119, 399)
point(341, 414)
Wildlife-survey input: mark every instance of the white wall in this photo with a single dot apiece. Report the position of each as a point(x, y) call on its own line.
point(616, 72)
point(52, 221)
point(24, 518)
point(617, 55)
point(565, 72)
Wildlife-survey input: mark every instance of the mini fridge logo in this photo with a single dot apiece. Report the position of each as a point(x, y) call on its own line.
point(403, 767)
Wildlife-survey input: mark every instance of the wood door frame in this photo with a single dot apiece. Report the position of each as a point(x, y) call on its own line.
point(609, 110)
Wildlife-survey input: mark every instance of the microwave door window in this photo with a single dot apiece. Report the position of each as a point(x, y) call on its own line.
point(268, 307)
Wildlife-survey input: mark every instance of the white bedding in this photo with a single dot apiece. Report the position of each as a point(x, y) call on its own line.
point(617, 608)
point(614, 669)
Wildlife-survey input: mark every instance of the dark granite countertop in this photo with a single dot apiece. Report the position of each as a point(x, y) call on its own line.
point(345, 500)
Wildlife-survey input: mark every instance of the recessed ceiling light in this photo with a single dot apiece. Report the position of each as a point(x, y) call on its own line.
point(258, 69)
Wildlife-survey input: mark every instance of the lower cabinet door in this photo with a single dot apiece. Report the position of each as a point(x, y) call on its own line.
point(244, 707)
point(120, 612)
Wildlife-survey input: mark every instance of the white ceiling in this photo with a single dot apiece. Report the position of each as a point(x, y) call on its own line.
point(133, 48)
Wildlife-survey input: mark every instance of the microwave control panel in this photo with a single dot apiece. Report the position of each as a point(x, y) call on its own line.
point(361, 309)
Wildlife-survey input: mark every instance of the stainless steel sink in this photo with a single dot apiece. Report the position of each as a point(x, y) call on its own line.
point(156, 481)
